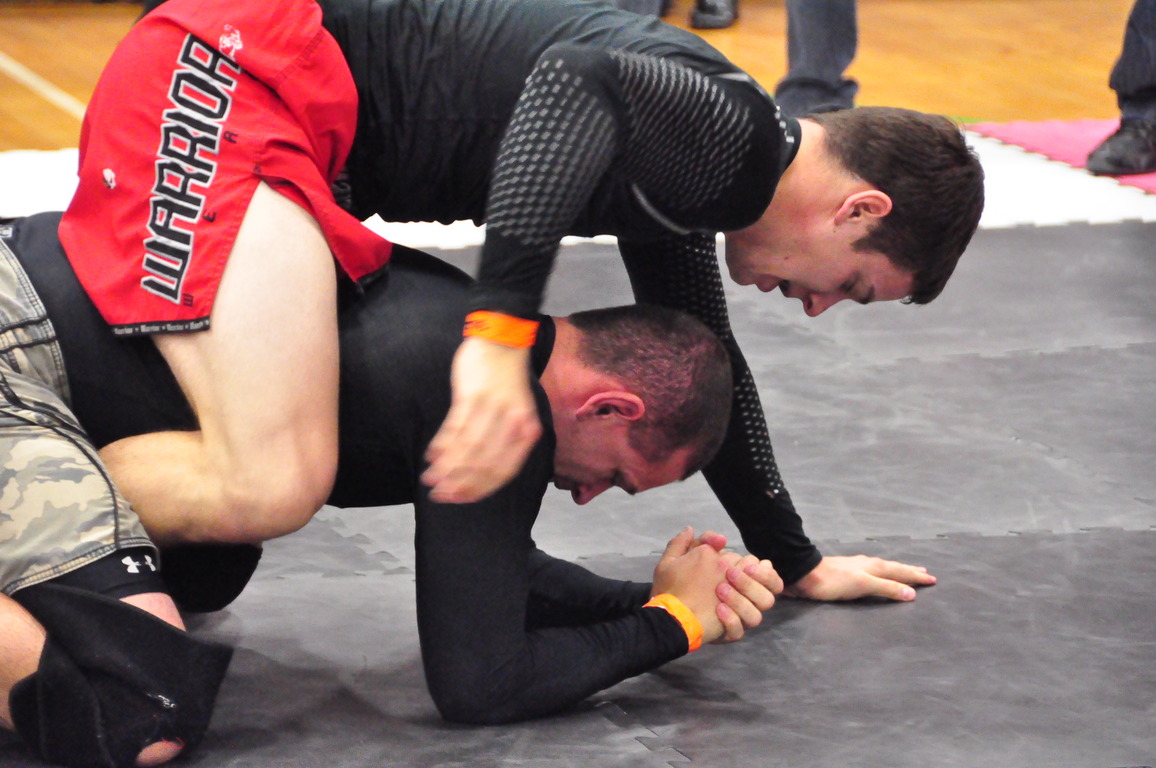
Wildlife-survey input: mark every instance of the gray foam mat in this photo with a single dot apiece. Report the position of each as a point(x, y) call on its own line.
point(1032, 651)
point(1003, 436)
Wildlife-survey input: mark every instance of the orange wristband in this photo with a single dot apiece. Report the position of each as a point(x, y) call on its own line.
point(684, 616)
point(501, 329)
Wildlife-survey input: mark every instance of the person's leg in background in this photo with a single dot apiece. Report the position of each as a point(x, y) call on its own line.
point(1132, 148)
point(822, 37)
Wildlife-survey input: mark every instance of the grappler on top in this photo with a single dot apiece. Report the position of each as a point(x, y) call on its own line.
point(543, 118)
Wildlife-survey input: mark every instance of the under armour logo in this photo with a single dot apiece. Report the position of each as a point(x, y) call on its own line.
point(133, 566)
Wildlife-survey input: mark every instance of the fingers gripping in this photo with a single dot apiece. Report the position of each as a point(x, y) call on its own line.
point(728, 592)
point(748, 591)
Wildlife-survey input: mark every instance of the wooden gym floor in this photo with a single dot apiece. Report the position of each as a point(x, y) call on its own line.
point(973, 59)
point(1003, 436)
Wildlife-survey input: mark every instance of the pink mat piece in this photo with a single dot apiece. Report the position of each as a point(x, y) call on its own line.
point(1068, 141)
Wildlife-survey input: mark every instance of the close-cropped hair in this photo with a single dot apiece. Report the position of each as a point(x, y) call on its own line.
point(675, 364)
point(934, 180)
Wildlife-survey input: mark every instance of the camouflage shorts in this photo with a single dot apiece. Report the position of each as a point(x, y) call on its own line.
point(58, 508)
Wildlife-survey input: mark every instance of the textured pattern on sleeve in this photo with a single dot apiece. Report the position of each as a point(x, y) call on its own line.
point(672, 111)
point(559, 143)
point(683, 273)
point(587, 116)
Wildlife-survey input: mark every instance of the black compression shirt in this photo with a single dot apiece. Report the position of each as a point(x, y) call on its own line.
point(507, 632)
point(570, 117)
point(479, 585)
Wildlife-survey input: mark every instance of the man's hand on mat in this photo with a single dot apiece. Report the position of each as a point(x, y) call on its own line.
point(490, 428)
point(850, 578)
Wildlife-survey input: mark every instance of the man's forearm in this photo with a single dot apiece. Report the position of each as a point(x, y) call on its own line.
point(565, 594)
point(488, 658)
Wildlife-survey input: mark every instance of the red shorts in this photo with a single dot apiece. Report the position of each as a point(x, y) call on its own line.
point(201, 101)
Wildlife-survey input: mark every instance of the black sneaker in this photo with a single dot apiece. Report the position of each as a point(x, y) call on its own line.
point(1131, 149)
point(714, 14)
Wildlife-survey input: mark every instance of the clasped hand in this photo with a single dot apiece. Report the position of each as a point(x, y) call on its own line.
point(726, 591)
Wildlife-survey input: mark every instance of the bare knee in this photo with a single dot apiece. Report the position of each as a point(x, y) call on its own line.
point(274, 497)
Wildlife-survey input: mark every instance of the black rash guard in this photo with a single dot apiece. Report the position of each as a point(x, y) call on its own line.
point(507, 632)
point(545, 118)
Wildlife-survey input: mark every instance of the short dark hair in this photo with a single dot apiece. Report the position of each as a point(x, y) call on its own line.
point(934, 180)
point(676, 365)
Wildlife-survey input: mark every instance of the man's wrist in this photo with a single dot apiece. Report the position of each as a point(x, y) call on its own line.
point(507, 330)
point(683, 615)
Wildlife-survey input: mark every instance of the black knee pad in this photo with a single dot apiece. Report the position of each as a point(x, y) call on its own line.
point(112, 680)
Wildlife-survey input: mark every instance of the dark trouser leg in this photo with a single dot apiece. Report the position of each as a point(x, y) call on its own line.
point(1132, 149)
point(1134, 76)
point(822, 36)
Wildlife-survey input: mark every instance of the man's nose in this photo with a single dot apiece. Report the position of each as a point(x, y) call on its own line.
point(815, 304)
point(587, 491)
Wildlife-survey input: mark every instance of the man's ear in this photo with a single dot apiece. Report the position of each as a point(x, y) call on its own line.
point(612, 404)
point(864, 207)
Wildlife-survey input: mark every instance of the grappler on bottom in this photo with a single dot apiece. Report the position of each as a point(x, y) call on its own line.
point(633, 397)
point(112, 679)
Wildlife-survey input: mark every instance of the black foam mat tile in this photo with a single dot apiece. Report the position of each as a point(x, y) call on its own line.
point(1019, 401)
point(1028, 442)
point(1032, 651)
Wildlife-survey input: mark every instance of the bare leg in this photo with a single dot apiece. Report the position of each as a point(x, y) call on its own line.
point(22, 641)
point(263, 383)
